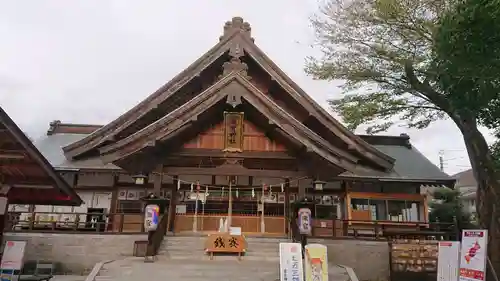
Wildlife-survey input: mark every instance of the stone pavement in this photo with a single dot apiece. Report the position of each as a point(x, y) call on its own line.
point(197, 270)
point(68, 278)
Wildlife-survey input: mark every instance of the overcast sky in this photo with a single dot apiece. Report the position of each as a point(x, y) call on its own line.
point(88, 61)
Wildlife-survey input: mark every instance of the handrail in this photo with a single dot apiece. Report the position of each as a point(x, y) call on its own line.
point(157, 237)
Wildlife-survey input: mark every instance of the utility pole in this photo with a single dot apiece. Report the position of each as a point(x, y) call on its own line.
point(441, 160)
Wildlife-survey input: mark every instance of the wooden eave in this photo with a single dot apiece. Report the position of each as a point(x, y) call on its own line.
point(32, 168)
point(183, 117)
point(314, 108)
point(107, 132)
point(242, 43)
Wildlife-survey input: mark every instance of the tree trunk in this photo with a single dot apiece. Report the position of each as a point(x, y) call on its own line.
point(488, 187)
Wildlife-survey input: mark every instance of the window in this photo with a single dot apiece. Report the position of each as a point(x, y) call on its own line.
point(360, 204)
point(130, 206)
point(402, 211)
point(378, 209)
point(325, 212)
point(382, 209)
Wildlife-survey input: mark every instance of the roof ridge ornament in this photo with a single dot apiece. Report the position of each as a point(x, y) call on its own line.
point(235, 65)
point(237, 24)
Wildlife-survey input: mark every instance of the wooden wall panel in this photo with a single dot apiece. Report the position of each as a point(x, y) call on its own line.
point(254, 139)
point(95, 179)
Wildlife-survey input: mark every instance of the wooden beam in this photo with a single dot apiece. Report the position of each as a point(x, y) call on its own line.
point(228, 171)
point(9, 180)
point(216, 153)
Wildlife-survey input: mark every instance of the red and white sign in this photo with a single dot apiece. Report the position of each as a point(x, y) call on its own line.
point(13, 255)
point(473, 255)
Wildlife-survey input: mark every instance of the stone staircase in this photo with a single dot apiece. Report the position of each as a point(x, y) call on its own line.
point(182, 258)
point(188, 270)
point(192, 247)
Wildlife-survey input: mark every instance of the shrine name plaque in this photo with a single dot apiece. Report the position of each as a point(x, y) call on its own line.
point(225, 243)
point(233, 131)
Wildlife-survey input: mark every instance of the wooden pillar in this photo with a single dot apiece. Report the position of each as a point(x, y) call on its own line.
point(302, 191)
point(287, 205)
point(348, 202)
point(173, 203)
point(4, 214)
point(158, 178)
point(113, 205)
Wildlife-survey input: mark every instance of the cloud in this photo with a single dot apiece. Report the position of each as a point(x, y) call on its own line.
point(89, 61)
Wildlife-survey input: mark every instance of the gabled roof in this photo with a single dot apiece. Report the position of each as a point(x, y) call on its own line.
point(22, 166)
point(225, 90)
point(465, 179)
point(237, 42)
point(420, 169)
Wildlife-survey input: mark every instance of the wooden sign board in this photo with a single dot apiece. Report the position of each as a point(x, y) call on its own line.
point(233, 131)
point(225, 243)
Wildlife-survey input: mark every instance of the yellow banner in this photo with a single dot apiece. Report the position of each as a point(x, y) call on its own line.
point(316, 262)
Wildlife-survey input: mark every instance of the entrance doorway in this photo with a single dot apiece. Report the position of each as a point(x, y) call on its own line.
point(209, 213)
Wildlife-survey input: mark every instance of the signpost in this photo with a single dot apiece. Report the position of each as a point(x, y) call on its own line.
point(448, 260)
point(291, 268)
point(473, 255)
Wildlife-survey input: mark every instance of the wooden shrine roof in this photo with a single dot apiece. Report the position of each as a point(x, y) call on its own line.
point(25, 175)
point(236, 43)
point(419, 169)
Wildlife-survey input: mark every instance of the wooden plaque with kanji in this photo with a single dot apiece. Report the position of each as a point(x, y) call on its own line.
point(233, 131)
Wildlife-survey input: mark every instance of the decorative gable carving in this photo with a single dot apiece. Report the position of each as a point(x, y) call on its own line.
point(237, 24)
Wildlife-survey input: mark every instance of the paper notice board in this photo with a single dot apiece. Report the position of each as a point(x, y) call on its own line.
point(473, 255)
point(13, 255)
point(448, 260)
point(291, 267)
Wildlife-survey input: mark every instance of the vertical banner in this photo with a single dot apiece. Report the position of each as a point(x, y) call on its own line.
point(473, 255)
point(448, 260)
point(291, 262)
point(305, 221)
point(151, 217)
point(316, 262)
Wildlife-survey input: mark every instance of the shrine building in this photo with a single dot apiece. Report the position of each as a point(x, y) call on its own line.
point(26, 177)
point(233, 135)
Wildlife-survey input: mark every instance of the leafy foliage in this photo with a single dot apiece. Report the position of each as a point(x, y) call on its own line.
point(382, 49)
point(448, 207)
point(366, 43)
point(467, 57)
point(415, 62)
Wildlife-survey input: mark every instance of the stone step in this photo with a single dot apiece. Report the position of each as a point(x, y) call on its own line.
point(184, 270)
point(197, 270)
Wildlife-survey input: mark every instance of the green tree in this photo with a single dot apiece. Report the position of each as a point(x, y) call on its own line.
point(399, 68)
point(448, 208)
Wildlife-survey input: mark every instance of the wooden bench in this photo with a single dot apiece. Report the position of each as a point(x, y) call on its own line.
point(225, 243)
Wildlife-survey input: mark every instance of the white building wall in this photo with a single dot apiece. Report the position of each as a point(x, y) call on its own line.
point(91, 199)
